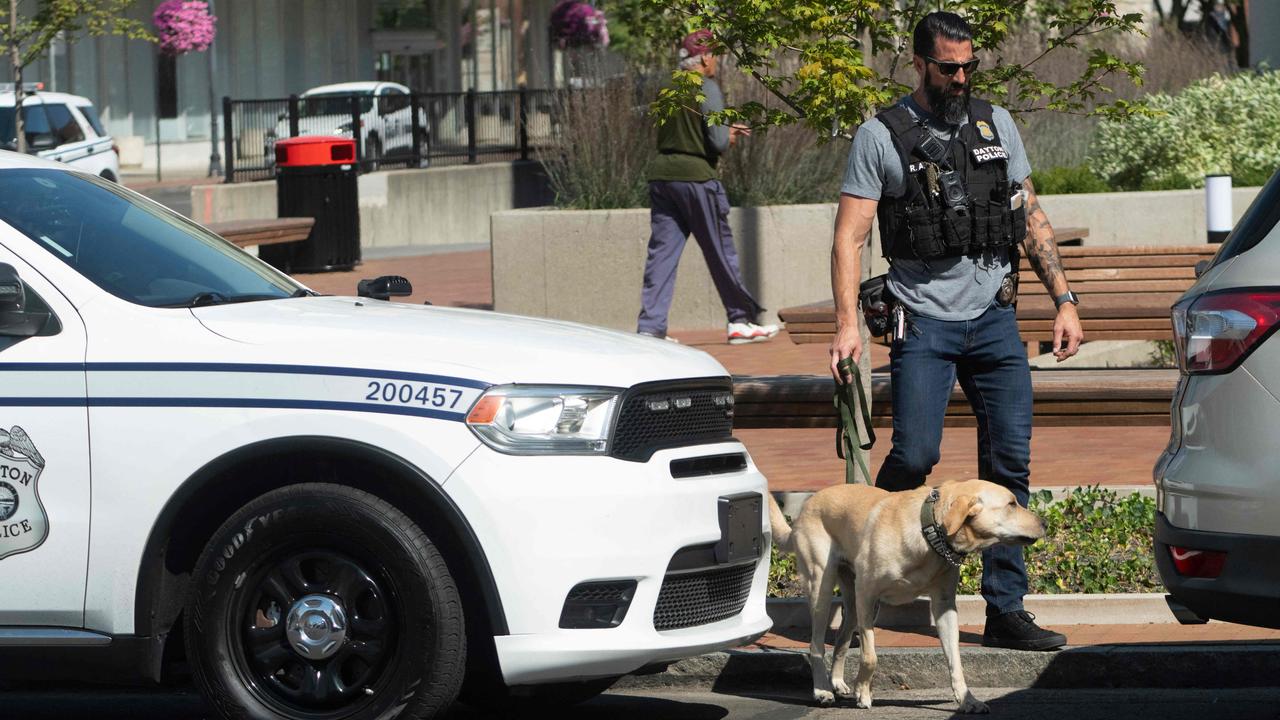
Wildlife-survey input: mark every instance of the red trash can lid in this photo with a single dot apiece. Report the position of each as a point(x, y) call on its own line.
point(313, 150)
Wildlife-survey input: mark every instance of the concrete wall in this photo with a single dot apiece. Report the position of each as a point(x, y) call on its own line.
point(436, 206)
point(586, 266)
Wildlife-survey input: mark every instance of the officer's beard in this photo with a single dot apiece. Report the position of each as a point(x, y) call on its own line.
point(951, 108)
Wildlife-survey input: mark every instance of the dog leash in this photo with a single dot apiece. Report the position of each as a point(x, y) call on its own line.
point(849, 397)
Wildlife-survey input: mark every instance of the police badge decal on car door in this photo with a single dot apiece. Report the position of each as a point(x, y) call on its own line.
point(23, 522)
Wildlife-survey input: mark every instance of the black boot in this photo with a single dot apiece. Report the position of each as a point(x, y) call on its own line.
point(1017, 630)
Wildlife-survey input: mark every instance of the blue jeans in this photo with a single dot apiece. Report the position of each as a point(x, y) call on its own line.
point(988, 358)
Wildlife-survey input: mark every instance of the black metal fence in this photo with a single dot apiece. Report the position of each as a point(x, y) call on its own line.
point(402, 130)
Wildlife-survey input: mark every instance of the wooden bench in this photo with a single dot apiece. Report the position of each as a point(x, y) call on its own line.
point(266, 231)
point(1125, 294)
point(1113, 397)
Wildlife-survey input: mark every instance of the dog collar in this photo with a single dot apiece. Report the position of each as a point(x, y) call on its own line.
point(934, 534)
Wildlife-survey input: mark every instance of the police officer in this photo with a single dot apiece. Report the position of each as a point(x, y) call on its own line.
point(947, 178)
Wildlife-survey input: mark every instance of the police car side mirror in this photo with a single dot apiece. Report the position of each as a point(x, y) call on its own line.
point(385, 287)
point(1201, 267)
point(15, 320)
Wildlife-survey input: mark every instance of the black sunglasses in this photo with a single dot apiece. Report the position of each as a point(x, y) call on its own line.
point(950, 68)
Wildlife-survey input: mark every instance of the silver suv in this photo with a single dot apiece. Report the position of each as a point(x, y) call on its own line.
point(1218, 481)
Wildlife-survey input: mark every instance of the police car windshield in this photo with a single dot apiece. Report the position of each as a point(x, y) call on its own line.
point(130, 247)
point(334, 103)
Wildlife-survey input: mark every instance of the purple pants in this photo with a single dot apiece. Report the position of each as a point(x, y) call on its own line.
point(677, 209)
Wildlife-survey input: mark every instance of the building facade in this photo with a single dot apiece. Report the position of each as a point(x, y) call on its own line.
point(272, 48)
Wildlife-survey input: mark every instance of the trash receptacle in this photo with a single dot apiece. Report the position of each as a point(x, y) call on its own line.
point(316, 178)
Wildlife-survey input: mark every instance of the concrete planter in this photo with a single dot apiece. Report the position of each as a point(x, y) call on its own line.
point(402, 208)
point(587, 265)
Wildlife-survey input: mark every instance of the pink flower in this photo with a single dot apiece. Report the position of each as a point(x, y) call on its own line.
point(577, 24)
point(184, 26)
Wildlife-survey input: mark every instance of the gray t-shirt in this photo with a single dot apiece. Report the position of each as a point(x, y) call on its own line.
point(953, 288)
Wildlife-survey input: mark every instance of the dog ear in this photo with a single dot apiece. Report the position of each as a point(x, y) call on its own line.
point(961, 509)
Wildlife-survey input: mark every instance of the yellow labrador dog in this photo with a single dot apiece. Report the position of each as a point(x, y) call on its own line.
point(892, 548)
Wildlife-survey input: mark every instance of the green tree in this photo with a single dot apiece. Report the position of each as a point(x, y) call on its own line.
point(26, 38)
point(816, 56)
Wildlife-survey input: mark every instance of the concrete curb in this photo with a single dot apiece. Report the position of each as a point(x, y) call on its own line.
point(1067, 609)
point(1127, 666)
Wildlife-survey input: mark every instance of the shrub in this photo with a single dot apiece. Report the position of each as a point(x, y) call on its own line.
point(605, 138)
point(602, 141)
point(1062, 180)
point(1220, 124)
point(1097, 542)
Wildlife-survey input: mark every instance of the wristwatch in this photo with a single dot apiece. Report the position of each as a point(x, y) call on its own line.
point(1066, 297)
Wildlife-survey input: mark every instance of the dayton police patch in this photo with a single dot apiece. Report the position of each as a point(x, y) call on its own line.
point(23, 522)
point(985, 130)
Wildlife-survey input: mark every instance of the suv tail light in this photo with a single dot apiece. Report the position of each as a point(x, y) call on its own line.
point(1197, 563)
point(1215, 332)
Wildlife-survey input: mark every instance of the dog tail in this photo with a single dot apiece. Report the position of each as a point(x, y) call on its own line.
point(779, 526)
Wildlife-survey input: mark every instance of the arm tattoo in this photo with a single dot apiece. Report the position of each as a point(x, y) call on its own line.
point(1042, 251)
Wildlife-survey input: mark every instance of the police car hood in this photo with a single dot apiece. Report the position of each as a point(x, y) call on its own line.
point(485, 346)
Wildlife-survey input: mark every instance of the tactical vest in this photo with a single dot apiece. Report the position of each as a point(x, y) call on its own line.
point(919, 224)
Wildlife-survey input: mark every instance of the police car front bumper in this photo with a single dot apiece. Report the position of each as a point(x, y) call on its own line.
point(549, 524)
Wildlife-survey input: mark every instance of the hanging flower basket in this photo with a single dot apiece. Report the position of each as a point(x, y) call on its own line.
point(184, 26)
point(577, 24)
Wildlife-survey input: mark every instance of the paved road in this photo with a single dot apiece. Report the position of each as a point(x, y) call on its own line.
point(689, 705)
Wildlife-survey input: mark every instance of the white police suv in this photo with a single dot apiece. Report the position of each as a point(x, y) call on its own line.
point(342, 507)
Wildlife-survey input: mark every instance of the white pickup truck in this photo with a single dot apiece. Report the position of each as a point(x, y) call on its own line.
point(342, 506)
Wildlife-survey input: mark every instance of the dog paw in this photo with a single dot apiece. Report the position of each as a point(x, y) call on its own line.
point(862, 700)
point(973, 706)
point(843, 691)
point(825, 698)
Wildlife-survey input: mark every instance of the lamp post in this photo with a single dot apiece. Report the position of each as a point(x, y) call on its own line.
point(215, 160)
point(1217, 202)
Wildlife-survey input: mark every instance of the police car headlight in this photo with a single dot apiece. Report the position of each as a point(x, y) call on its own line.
point(524, 420)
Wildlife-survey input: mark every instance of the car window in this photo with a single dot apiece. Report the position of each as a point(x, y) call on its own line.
point(62, 124)
point(130, 247)
point(392, 99)
point(35, 124)
point(333, 104)
point(1256, 224)
point(91, 114)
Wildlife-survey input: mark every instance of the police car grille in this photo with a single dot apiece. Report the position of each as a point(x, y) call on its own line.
point(698, 598)
point(641, 429)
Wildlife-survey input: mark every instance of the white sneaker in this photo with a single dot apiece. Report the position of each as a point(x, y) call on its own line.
point(741, 333)
point(668, 338)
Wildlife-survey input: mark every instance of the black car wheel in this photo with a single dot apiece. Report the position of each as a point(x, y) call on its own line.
point(318, 602)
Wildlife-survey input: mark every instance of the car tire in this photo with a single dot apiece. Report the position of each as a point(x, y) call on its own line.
point(322, 601)
point(108, 175)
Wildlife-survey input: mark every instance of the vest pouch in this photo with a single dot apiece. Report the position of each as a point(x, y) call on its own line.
point(991, 223)
point(1017, 224)
point(924, 236)
point(957, 227)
